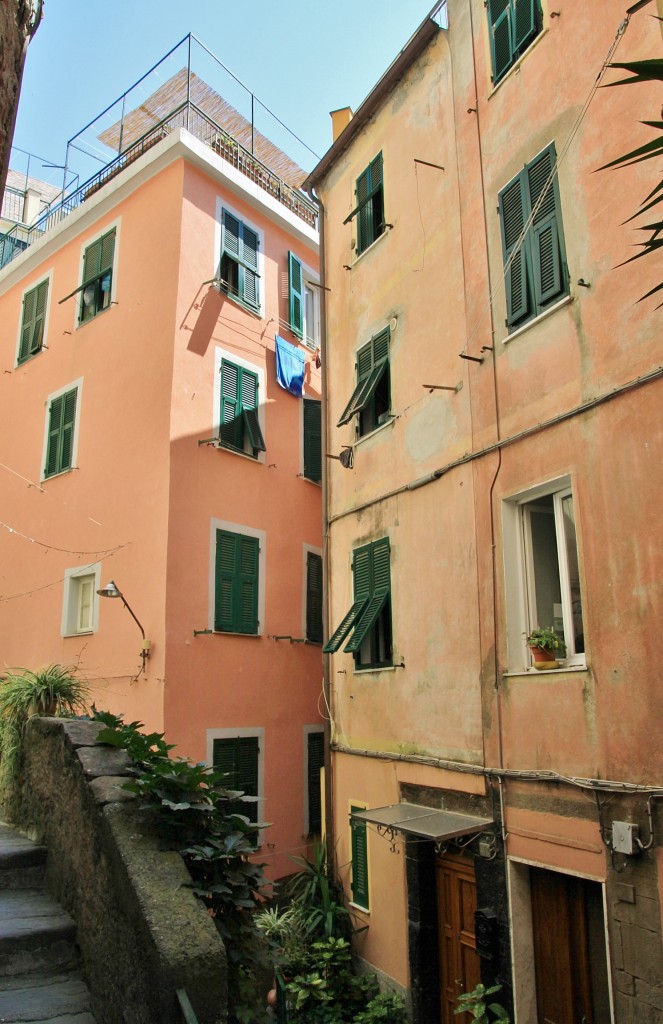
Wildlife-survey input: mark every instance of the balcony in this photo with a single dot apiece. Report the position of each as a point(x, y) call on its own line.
point(171, 96)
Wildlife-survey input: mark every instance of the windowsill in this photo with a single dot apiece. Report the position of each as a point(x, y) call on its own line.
point(236, 301)
point(358, 906)
point(62, 472)
point(91, 319)
point(515, 67)
point(566, 301)
point(316, 483)
point(370, 247)
point(532, 672)
point(82, 632)
point(27, 359)
point(228, 632)
point(381, 426)
point(374, 669)
point(236, 451)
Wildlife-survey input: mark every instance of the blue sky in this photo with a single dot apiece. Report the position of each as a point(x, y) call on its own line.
point(301, 59)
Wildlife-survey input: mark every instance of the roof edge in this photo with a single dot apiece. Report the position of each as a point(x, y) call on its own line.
point(405, 59)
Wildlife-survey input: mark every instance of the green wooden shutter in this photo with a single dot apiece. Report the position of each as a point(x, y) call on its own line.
point(380, 344)
point(364, 212)
point(237, 758)
point(249, 555)
point(513, 216)
point(106, 252)
point(372, 571)
point(248, 393)
point(92, 261)
point(40, 317)
point(231, 428)
point(314, 598)
point(67, 433)
point(27, 324)
point(249, 271)
point(371, 362)
point(230, 230)
point(224, 585)
point(54, 428)
point(315, 764)
point(545, 244)
point(295, 295)
point(312, 439)
point(500, 14)
point(524, 23)
point(359, 862)
point(339, 635)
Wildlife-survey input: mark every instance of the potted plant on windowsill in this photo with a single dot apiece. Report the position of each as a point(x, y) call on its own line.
point(546, 646)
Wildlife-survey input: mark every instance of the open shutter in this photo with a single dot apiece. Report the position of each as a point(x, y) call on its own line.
point(546, 251)
point(224, 581)
point(249, 271)
point(359, 862)
point(92, 261)
point(67, 433)
point(230, 419)
point(248, 392)
point(500, 15)
point(295, 294)
point(314, 598)
point(312, 439)
point(253, 431)
point(54, 430)
point(315, 763)
point(524, 23)
point(230, 235)
point(339, 635)
point(28, 324)
point(364, 211)
point(512, 219)
point(40, 316)
point(107, 249)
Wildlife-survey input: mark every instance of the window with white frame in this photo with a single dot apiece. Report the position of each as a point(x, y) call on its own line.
point(61, 435)
point(542, 570)
point(80, 608)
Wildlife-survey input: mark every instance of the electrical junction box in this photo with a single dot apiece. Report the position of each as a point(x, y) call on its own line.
point(624, 835)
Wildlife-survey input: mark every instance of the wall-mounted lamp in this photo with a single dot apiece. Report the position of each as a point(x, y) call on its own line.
point(110, 590)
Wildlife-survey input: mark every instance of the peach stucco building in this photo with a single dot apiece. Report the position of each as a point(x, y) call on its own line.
point(147, 440)
point(499, 387)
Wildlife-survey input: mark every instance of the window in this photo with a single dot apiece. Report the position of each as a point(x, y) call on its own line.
point(369, 211)
point(369, 618)
point(358, 832)
point(313, 597)
point(536, 272)
point(371, 397)
point(312, 440)
point(80, 606)
point(237, 757)
point(315, 761)
point(239, 261)
point(513, 25)
point(303, 303)
point(97, 276)
point(236, 583)
point(239, 427)
point(544, 554)
point(33, 321)
point(60, 432)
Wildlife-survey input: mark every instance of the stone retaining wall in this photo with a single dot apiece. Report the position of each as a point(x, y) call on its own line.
point(142, 933)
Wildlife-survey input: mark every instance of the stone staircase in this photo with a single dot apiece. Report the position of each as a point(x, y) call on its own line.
point(40, 966)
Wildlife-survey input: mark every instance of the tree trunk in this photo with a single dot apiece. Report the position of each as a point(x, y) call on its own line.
point(19, 20)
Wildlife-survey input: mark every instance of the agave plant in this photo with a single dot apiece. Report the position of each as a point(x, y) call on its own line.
point(54, 690)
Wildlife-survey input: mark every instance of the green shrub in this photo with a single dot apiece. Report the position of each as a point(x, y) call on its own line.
point(385, 1008)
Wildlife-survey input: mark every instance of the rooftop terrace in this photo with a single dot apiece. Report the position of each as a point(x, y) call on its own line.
point(188, 88)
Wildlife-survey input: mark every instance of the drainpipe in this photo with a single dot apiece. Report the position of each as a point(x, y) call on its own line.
point(326, 688)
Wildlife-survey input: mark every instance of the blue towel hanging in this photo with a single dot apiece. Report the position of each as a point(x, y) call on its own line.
point(290, 363)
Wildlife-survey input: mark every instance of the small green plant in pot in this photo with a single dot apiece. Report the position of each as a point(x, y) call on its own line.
point(54, 690)
point(482, 1012)
point(546, 646)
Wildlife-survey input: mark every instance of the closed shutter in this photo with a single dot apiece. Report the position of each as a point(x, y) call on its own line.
point(60, 443)
point(236, 583)
point(32, 326)
point(92, 261)
point(237, 758)
point(513, 216)
point(107, 252)
point(359, 862)
point(230, 421)
point(230, 241)
point(224, 585)
point(295, 295)
point(314, 598)
point(315, 764)
point(249, 275)
point(501, 36)
point(249, 551)
point(54, 428)
point(40, 316)
point(524, 23)
point(68, 420)
point(546, 252)
point(312, 440)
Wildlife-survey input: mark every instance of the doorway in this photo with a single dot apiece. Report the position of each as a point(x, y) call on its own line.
point(459, 963)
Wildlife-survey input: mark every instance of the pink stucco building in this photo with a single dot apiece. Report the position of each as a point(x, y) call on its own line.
point(148, 439)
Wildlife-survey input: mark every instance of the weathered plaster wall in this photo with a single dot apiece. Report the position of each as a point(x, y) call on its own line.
point(142, 932)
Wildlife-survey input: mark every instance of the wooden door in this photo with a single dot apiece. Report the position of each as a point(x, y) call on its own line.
point(459, 963)
point(562, 961)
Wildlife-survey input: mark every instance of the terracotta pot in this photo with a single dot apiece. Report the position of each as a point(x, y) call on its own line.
point(543, 659)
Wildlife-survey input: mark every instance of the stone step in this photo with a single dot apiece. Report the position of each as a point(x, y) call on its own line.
point(35, 933)
point(45, 999)
point(21, 860)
